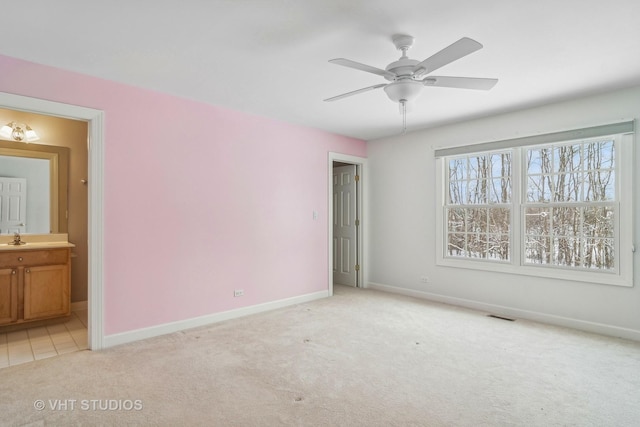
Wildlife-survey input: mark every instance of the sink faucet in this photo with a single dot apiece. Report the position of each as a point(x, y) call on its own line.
point(16, 239)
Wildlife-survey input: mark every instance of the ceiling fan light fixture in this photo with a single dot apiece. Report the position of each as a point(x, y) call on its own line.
point(403, 90)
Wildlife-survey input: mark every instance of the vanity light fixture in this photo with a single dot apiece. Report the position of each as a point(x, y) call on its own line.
point(18, 132)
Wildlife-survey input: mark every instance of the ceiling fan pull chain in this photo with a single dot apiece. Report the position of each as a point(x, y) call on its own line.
point(403, 103)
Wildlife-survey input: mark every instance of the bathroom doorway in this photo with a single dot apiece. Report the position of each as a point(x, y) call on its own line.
point(93, 186)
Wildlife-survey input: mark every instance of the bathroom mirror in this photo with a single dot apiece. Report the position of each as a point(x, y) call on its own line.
point(44, 168)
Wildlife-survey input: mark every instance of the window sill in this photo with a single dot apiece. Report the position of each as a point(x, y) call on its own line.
point(596, 277)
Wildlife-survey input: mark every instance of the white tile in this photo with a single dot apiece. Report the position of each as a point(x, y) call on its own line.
point(35, 333)
point(20, 353)
point(17, 337)
point(83, 315)
point(45, 341)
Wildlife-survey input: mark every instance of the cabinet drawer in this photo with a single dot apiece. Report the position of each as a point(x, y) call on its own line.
point(35, 257)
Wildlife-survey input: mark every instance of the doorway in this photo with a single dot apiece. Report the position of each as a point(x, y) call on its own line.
point(347, 255)
point(95, 120)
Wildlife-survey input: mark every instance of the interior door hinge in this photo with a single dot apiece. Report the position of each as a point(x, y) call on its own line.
point(356, 178)
point(357, 267)
point(357, 223)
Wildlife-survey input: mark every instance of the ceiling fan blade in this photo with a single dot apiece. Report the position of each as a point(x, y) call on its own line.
point(455, 51)
point(460, 82)
point(355, 92)
point(363, 67)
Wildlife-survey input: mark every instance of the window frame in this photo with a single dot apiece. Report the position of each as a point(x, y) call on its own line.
point(624, 248)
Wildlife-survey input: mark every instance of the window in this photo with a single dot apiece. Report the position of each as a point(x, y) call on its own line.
point(570, 205)
point(478, 211)
point(555, 209)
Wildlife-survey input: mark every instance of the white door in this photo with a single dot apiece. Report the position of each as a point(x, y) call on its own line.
point(13, 205)
point(345, 245)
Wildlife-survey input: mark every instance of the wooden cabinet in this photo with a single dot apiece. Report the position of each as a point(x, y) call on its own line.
point(8, 295)
point(34, 285)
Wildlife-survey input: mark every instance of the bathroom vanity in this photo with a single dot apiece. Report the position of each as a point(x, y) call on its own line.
point(35, 282)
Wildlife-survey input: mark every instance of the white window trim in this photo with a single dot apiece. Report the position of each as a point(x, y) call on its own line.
point(624, 239)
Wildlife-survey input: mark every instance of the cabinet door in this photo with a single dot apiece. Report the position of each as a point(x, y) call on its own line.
point(46, 291)
point(8, 295)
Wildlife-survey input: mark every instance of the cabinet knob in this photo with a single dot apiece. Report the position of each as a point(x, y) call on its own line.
point(13, 272)
point(20, 258)
point(27, 271)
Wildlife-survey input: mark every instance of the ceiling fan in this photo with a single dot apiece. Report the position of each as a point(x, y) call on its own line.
point(408, 76)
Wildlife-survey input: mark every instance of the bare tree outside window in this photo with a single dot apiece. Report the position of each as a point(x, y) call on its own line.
point(568, 209)
point(570, 205)
point(479, 207)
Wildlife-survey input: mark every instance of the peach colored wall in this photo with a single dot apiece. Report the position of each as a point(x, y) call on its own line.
point(199, 199)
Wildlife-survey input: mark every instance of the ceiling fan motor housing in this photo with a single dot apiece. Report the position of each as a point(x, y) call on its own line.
point(404, 87)
point(403, 67)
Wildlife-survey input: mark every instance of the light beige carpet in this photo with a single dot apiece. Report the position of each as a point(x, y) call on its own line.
point(360, 358)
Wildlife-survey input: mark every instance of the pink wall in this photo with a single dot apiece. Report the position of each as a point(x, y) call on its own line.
point(199, 200)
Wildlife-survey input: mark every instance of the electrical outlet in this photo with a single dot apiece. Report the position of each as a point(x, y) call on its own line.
point(424, 279)
point(238, 293)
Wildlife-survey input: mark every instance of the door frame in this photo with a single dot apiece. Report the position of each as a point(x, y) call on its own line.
point(362, 202)
point(95, 143)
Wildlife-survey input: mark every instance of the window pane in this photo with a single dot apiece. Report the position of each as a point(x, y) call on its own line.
point(500, 191)
point(539, 188)
point(457, 169)
point(567, 252)
point(477, 191)
point(500, 165)
point(599, 155)
point(599, 254)
point(537, 221)
point(600, 185)
point(537, 250)
point(457, 192)
point(566, 158)
point(566, 221)
point(456, 245)
point(599, 222)
point(475, 167)
point(499, 247)
point(477, 245)
point(539, 161)
point(567, 187)
point(456, 220)
point(477, 220)
point(499, 220)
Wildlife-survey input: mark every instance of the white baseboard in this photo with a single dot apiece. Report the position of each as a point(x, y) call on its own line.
point(79, 305)
point(168, 328)
point(583, 325)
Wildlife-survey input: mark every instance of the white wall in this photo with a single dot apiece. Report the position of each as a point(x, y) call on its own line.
point(402, 223)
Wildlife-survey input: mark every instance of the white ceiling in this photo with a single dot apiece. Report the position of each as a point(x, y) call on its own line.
point(270, 57)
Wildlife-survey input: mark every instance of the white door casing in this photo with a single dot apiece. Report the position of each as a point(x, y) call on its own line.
point(345, 255)
point(13, 205)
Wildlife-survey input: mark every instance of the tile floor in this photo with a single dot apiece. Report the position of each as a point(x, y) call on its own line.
point(46, 341)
